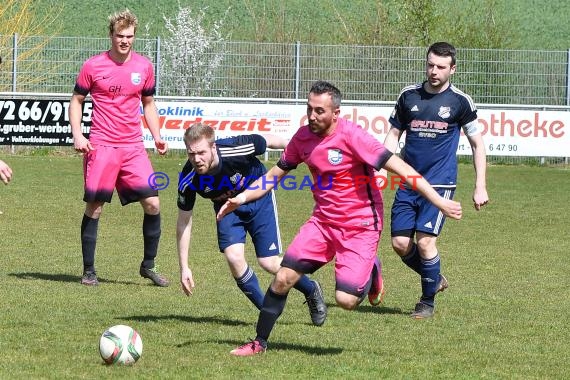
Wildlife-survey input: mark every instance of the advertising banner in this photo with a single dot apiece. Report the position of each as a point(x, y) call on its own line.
point(505, 132)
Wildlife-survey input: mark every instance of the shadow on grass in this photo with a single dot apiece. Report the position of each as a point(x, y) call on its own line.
point(185, 318)
point(380, 310)
point(65, 278)
point(310, 350)
point(371, 309)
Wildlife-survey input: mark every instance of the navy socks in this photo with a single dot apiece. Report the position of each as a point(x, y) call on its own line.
point(249, 285)
point(430, 280)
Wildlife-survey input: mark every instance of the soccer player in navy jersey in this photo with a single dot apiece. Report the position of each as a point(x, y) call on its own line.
point(220, 169)
point(432, 114)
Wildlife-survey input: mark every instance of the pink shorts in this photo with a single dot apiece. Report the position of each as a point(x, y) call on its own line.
point(126, 169)
point(318, 243)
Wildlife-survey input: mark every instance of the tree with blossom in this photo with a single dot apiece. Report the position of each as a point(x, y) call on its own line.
point(190, 54)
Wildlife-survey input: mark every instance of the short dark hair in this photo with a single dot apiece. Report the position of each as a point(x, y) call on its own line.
point(322, 87)
point(199, 131)
point(442, 49)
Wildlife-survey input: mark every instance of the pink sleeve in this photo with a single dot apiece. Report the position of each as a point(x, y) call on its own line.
point(84, 82)
point(149, 87)
point(367, 148)
point(291, 158)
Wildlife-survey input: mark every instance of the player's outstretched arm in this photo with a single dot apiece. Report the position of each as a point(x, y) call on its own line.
point(274, 141)
point(183, 234)
point(256, 190)
point(418, 183)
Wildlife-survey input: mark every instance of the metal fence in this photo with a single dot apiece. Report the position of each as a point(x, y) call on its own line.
point(253, 70)
point(286, 71)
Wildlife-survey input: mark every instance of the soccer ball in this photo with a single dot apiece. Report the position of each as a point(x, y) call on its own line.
point(120, 344)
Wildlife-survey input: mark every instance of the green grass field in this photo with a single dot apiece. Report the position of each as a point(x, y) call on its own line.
point(504, 315)
point(536, 24)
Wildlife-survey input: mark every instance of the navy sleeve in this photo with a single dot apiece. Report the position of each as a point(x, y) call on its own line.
point(186, 191)
point(469, 112)
point(398, 118)
point(258, 141)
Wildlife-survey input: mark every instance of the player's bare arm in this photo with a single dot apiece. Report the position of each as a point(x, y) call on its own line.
point(391, 143)
point(449, 207)
point(151, 117)
point(254, 191)
point(392, 139)
point(80, 142)
point(480, 196)
point(183, 235)
point(275, 142)
point(5, 172)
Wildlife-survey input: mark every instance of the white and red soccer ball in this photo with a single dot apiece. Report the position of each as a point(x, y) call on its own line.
point(120, 344)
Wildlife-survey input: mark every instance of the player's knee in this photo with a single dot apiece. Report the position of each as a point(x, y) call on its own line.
point(270, 264)
point(94, 209)
point(427, 246)
point(346, 301)
point(151, 205)
point(284, 280)
point(234, 257)
point(401, 245)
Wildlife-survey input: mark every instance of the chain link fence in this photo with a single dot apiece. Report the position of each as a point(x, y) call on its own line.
point(286, 71)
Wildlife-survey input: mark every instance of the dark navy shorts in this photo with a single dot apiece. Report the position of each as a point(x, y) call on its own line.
point(259, 220)
point(411, 212)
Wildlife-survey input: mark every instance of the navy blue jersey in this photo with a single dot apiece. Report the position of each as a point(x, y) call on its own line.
point(433, 123)
point(238, 167)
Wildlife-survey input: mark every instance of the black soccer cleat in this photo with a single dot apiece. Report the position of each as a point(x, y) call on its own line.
point(154, 276)
point(89, 278)
point(317, 306)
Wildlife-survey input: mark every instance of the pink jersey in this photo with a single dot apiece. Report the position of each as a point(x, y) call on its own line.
point(116, 90)
point(342, 166)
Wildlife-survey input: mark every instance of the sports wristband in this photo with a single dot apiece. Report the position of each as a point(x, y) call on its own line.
point(241, 198)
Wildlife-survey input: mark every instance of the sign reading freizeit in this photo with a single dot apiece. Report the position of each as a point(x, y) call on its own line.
point(505, 132)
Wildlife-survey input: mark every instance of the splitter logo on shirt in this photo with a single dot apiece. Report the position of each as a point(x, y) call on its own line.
point(335, 156)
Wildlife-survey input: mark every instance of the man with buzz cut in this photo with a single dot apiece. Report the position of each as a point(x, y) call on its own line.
point(220, 169)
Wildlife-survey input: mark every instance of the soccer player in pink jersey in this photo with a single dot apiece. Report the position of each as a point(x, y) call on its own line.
point(114, 156)
point(347, 218)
